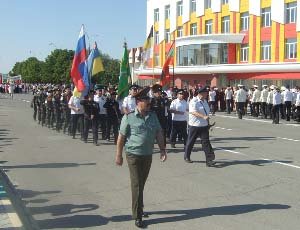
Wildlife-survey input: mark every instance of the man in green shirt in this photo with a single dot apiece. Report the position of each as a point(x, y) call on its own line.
point(139, 129)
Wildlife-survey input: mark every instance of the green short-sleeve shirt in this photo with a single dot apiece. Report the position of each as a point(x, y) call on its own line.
point(140, 132)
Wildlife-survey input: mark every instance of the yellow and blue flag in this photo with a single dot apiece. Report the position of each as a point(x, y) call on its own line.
point(95, 62)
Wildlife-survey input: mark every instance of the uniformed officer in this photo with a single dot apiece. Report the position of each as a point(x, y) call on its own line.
point(50, 108)
point(158, 105)
point(90, 117)
point(199, 127)
point(113, 116)
point(178, 109)
point(139, 128)
point(263, 101)
point(100, 98)
point(57, 109)
point(270, 101)
point(129, 103)
point(66, 110)
point(76, 115)
point(240, 100)
point(297, 104)
point(228, 98)
point(34, 105)
point(276, 105)
point(256, 101)
point(287, 100)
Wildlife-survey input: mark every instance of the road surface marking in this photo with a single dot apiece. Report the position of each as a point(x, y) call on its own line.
point(223, 128)
point(281, 163)
point(288, 139)
point(230, 151)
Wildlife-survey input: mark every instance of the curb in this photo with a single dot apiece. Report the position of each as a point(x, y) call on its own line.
point(26, 218)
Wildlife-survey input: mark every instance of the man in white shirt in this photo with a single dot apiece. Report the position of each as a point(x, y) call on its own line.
point(263, 101)
point(76, 115)
point(228, 98)
point(297, 104)
point(178, 109)
point(129, 102)
point(276, 105)
point(240, 100)
point(256, 101)
point(287, 100)
point(101, 98)
point(199, 127)
point(270, 101)
point(212, 100)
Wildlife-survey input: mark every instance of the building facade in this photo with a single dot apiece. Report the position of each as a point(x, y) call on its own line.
point(220, 42)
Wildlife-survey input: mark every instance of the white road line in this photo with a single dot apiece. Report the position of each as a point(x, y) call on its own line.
point(281, 163)
point(223, 128)
point(230, 151)
point(295, 125)
point(288, 139)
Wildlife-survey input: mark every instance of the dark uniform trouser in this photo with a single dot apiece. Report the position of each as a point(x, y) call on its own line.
point(34, 112)
point(77, 118)
point(288, 106)
point(270, 106)
point(103, 125)
point(275, 112)
point(112, 122)
point(139, 167)
point(264, 109)
point(87, 124)
point(178, 127)
point(67, 119)
point(228, 105)
point(203, 133)
point(298, 114)
point(240, 106)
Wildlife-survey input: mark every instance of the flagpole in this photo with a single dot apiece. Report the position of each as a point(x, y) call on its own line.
point(173, 78)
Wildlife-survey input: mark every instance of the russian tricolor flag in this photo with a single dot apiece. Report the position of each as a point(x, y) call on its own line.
point(79, 71)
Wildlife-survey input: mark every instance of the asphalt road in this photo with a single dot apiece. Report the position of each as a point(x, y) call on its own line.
point(66, 184)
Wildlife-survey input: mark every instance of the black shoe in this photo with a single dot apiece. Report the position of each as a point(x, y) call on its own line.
point(145, 214)
point(73, 137)
point(188, 160)
point(210, 163)
point(96, 144)
point(139, 223)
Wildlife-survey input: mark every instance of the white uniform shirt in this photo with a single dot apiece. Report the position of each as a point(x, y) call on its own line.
point(181, 106)
point(277, 98)
point(75, 102)
point(298, 99)
point(129, 103)
point(196, 105)
point(212, 95)
point(101, 101)
point(228, 94)
point(270, 97)
point(287, 95)
point(264, 95)
point(241, 96)
point(256, 96)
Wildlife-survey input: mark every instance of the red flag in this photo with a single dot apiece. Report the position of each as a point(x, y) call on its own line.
point(165, 78)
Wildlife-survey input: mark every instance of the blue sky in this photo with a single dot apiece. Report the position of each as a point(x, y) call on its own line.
point(35, 27)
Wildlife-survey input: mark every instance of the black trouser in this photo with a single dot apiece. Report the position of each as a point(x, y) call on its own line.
point(255, 109)
point(139, 167)
point(203, 133)
point(275, 112)
point(50, 117)
point(67, 120)
point(270, 107)
point(288, 109)
point(298, 114)
point(240, 107)
point(77, 119)
point(34, 112)
point(58, 120)
point(112, 122)
point(87, 124)
point(212, 106)
point(228, 106)
point(163, 124)
point(103, 125)
point(264, 109)
point(282, 111)
point(44, 115)
point(178, 127)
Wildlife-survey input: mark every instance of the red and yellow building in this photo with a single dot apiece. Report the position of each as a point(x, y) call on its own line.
point(220, 42)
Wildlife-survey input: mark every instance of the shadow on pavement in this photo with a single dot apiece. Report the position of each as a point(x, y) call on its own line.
point(248, 162)
point(218, 139)
point(73, 222)
point(47, 165)
point(26, 194)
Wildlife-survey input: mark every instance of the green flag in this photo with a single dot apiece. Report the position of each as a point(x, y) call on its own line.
point(123, 86)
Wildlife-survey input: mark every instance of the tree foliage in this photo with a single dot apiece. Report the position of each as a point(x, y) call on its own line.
point(57, 67)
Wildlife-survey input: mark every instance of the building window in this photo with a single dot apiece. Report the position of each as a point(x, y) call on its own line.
point(245, 21)
point(291, 12)
point(224, 2)
point(224, 53)
point(208, 26)
point(167, 12)
point(244, 52)
point(168, 36)
point(193, 29)
point(291, 48)
point(156, 60)
point(265, 51)
point(156, 37)
point(207, 4)
point(266, 17)
point(179, 31)
point(179, 8)
point(156, 15)
point(193, 6)
point(226, 25)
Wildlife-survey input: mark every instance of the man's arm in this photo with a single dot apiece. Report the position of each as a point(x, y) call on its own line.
point(161, 145)
point(120, 144)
